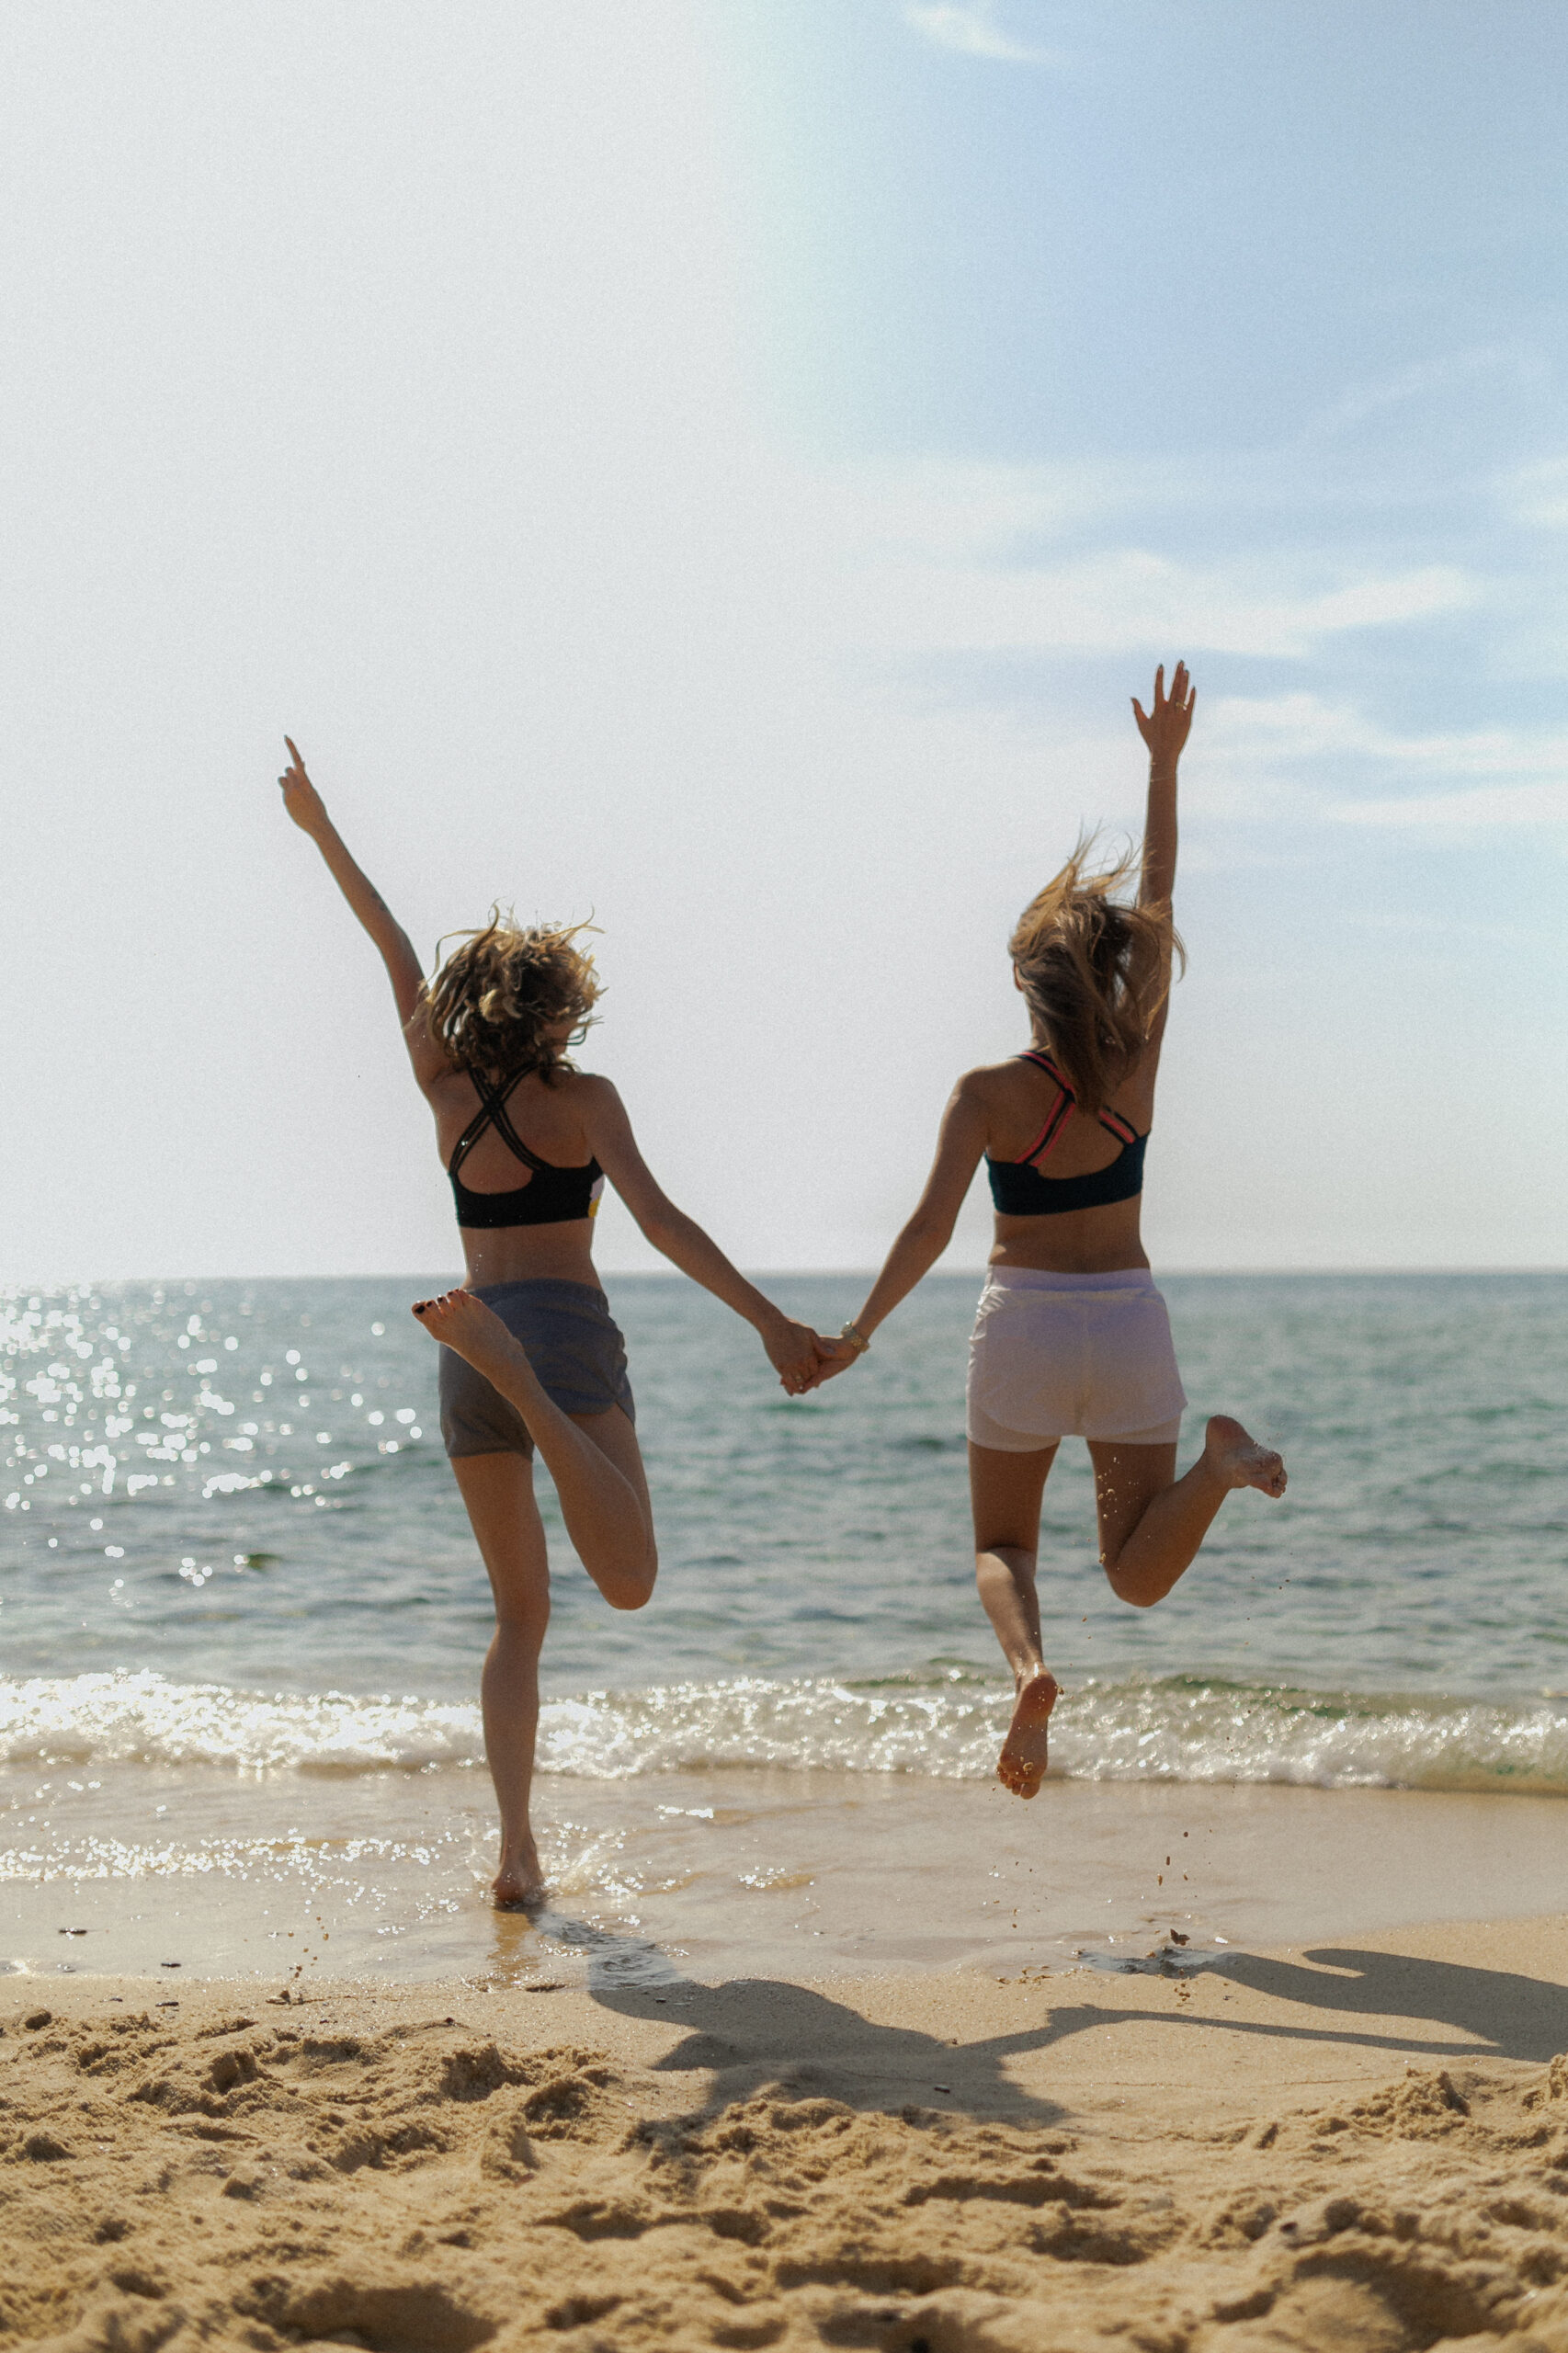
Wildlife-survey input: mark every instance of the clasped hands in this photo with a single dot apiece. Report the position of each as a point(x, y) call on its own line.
point(802, 1358)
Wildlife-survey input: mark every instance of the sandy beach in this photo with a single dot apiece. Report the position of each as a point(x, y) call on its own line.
point(1246, 2037)
point(1354, 2146)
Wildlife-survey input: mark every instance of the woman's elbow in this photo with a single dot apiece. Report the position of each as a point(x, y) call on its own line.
point(668, 1228)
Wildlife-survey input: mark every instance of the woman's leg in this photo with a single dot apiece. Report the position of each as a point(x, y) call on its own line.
point(498, 1489)
point(1152, 1523)
point(1005, 1491)
point(605, 1509)
point(614, 1434)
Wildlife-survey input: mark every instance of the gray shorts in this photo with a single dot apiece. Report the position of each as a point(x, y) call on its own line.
point(570, 1340)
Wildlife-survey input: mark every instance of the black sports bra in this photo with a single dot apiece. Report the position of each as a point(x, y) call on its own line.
point(551, 1195)
point(1018, 1187)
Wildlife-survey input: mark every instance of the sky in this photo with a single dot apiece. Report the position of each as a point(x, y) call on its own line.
point(721, 468)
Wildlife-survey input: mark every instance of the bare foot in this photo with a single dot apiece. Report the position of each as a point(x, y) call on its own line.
point(518, 1885)
point(1021, 1765)
point(464, 1323)
point(1238, 1459)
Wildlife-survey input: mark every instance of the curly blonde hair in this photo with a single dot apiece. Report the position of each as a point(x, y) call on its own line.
point(1095, 970)
point(489, 1005)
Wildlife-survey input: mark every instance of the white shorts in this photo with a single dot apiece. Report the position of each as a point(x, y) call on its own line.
point(1071, 1355)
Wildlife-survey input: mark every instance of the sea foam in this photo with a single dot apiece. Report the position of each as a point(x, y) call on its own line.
point(948, 1725)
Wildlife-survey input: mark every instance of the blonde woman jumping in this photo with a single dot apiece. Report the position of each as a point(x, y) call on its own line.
point(531, 1357)
point(1072, 1336)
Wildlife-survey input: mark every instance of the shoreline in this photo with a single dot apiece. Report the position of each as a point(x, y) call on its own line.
point(947, 1721)
point(198, 1872)
point(1360, 2146)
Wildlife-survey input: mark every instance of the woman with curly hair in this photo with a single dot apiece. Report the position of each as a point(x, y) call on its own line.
point(1072, 1336)
point(531, 1357)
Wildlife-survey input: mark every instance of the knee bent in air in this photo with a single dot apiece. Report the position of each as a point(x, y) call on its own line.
point(1134, 1597)
point(631, 1589)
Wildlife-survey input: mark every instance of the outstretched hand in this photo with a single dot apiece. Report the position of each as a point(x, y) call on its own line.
point(1165, 728)
point(301, 799)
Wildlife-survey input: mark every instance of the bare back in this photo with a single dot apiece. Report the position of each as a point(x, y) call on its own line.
point(553, 1121)
point(1015, 1099)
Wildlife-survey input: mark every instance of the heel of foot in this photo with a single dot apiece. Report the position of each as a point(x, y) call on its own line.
point(1022, 1764)
point(1235, 1456)
point(1038, 1696)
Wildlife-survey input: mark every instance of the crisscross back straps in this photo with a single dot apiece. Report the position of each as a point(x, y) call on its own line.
point(493, 1112)
point(1060, 1111)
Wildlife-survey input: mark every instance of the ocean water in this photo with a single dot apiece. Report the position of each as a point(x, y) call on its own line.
point(233, 1566)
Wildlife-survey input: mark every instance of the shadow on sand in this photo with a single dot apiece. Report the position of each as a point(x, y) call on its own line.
point(749, 2032)
point(1508, 2015)
point(752, 2031)
point(1431, 2009)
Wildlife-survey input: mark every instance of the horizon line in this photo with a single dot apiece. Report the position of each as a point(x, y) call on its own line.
point(10, 1284)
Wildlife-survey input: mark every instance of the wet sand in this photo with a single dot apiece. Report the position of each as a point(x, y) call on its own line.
point(742, 1872)
point(1359, 2146)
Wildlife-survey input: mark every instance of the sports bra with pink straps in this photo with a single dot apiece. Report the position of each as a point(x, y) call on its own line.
point(1020, 1190)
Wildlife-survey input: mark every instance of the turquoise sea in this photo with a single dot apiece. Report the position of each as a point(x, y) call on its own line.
point(231, 1551)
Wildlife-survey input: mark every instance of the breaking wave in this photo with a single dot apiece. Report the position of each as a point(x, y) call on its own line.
point(948, 1724)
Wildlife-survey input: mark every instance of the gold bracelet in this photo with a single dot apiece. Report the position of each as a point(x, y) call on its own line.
point(856, 1337)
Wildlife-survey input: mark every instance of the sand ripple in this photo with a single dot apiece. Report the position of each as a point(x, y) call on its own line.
point(250, 2178)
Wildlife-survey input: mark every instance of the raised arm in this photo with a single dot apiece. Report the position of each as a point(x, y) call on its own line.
point(308, 810)
point(791, 1347)
point(960, 1143)
point(1165, 730)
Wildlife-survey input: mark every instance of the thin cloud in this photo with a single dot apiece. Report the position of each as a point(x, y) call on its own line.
point(1423, 380)
point(949, 510)
point(1304, 726)
point(1124, 601)
point(974, 31)
point(1499, 775)
point(1538, 495)
point(1496, 804)
point(937, 556)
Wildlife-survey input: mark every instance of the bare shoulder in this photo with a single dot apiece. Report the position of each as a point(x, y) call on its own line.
point(593, 1101)
point(988, 1084)
point(444, 1086)
point(588, 1091)
point(977, 1105)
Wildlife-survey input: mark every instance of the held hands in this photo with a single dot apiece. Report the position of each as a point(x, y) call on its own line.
point(801, 1357)
point(301, 799)
point(837, 1356)
point(1165, 728)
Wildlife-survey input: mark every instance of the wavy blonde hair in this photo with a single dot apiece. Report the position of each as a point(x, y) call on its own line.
point(498, 991)
point(1095, 970)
